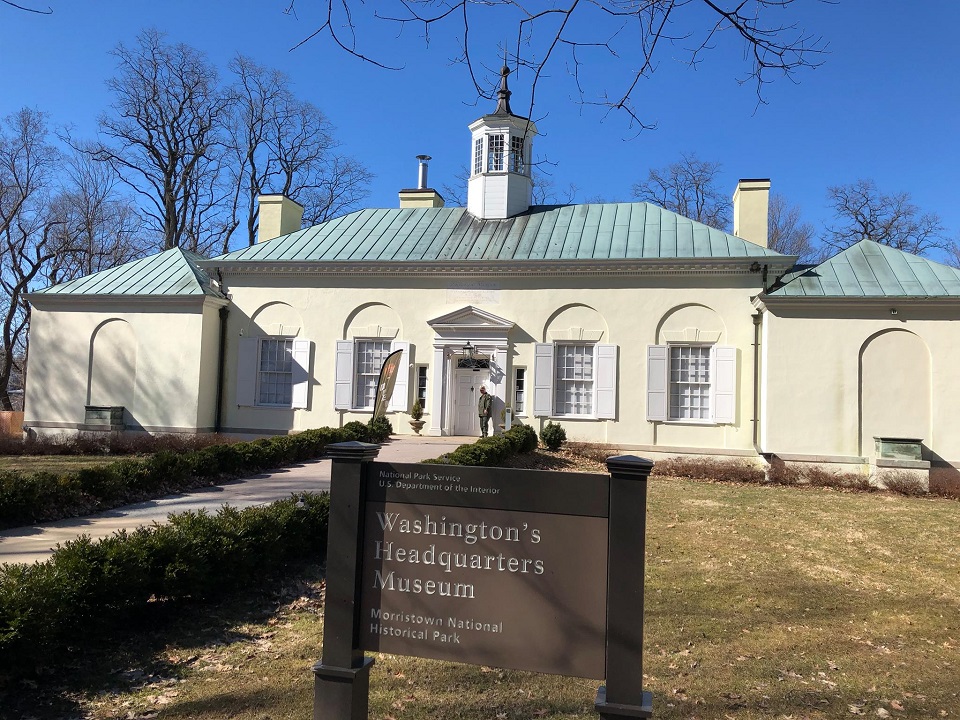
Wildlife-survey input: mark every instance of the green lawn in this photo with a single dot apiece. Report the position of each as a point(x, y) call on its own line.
point(53, 463)
point(761, 602)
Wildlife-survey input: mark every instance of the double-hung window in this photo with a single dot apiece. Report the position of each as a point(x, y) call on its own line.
point(422, 386)
point(273, 372)
point(573, 382)
point(357, 371)
point(575, 379)
point(368, 358)
point(691, 383)
point(520, 391)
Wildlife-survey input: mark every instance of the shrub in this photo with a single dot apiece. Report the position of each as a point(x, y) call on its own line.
point(355, 430)
point(945, 481)
point(28, 498)
point(905, 483)
point(416, 412)
point(491, 451)
point(709, 469)
point(90, 588)
point(107, 444)
point(591, 451)
point(553, 436)
point(379, 429)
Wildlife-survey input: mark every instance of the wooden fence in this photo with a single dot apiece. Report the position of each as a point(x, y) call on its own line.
point(11, 422)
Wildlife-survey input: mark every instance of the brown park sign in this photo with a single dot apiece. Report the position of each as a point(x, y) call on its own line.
point(454, 568)
point(520, 569)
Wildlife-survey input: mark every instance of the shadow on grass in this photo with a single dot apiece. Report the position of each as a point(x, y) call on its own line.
point(131, 658)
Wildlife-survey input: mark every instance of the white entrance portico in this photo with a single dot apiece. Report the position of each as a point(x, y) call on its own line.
point(457, 377)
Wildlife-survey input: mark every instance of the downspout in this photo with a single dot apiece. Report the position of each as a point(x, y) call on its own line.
point(221, 361)
point(757, 324)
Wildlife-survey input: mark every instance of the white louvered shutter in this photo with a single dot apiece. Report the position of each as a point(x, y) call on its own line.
point(657, 382)
point(343, 369)
point(543, 371)
point(399, 401)
point(301, 373)
point(606, 382)
point(725, 384)
point(247, 371)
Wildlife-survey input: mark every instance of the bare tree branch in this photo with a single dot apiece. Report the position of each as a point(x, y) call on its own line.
point(631, 31)
point(788, 233)
point(48, 11)
point(863, 212)
point(687, 187)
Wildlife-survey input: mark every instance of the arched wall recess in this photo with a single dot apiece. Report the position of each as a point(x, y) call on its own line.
point(112, 375)
point(691, 323)
point(373, 320)
point(576, 323)
point(894, 388)
point(275, 319)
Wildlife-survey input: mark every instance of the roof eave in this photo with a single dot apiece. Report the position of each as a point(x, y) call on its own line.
point(616, 266)
point(825, 301)
point(40, 299)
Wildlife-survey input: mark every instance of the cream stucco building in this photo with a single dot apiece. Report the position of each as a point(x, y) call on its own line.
point(625, 323)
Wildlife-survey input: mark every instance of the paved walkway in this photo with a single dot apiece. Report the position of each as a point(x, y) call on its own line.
point(30, 544)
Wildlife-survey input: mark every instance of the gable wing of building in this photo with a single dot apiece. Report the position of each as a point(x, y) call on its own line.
point(870, 270)
point(170, 274)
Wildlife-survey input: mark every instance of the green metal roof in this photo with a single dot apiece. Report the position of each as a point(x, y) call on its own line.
point(172, 272)
point(567, 232)
point(869, 269)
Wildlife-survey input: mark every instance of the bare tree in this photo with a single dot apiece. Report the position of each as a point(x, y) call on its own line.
point(96, 228)
point(165, 123)
point(285, 145)
point(27, 163)
point(687, 187)
point(564, 38)
point(863, 212)
point(789, 234)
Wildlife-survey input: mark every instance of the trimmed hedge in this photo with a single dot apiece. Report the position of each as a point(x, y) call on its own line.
point(27, 498)
point(492, 450)
point(88, 589)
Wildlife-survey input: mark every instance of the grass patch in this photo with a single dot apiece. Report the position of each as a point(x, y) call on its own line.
point(761, 602)
point(56, 464)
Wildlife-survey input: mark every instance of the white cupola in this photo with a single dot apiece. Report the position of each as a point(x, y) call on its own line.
point(500, 185)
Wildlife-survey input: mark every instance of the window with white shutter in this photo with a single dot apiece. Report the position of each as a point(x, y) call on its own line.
point(691, 383)
point(273, 372)
point(575, 380)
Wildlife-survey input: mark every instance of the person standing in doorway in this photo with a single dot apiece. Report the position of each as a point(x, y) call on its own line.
point(483, 407)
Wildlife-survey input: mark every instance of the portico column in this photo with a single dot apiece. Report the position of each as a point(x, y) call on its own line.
point(436, 390)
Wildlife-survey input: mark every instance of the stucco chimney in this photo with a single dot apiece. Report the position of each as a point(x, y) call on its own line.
point(279, 215)
point(421, 196)
point(751, 205)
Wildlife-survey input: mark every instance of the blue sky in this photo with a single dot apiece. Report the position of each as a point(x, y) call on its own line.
point(884, 105)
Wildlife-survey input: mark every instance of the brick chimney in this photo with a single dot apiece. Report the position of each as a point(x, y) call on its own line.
point(751, 204)
point(279, 215)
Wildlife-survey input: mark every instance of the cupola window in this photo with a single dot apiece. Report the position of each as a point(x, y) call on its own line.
point(517, 164)
point(478, 156)
point(496, 153)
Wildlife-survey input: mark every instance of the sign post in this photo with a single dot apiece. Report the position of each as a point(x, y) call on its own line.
point(521, 569)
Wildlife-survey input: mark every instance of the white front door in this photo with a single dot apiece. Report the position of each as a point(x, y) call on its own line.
point(466, 420)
